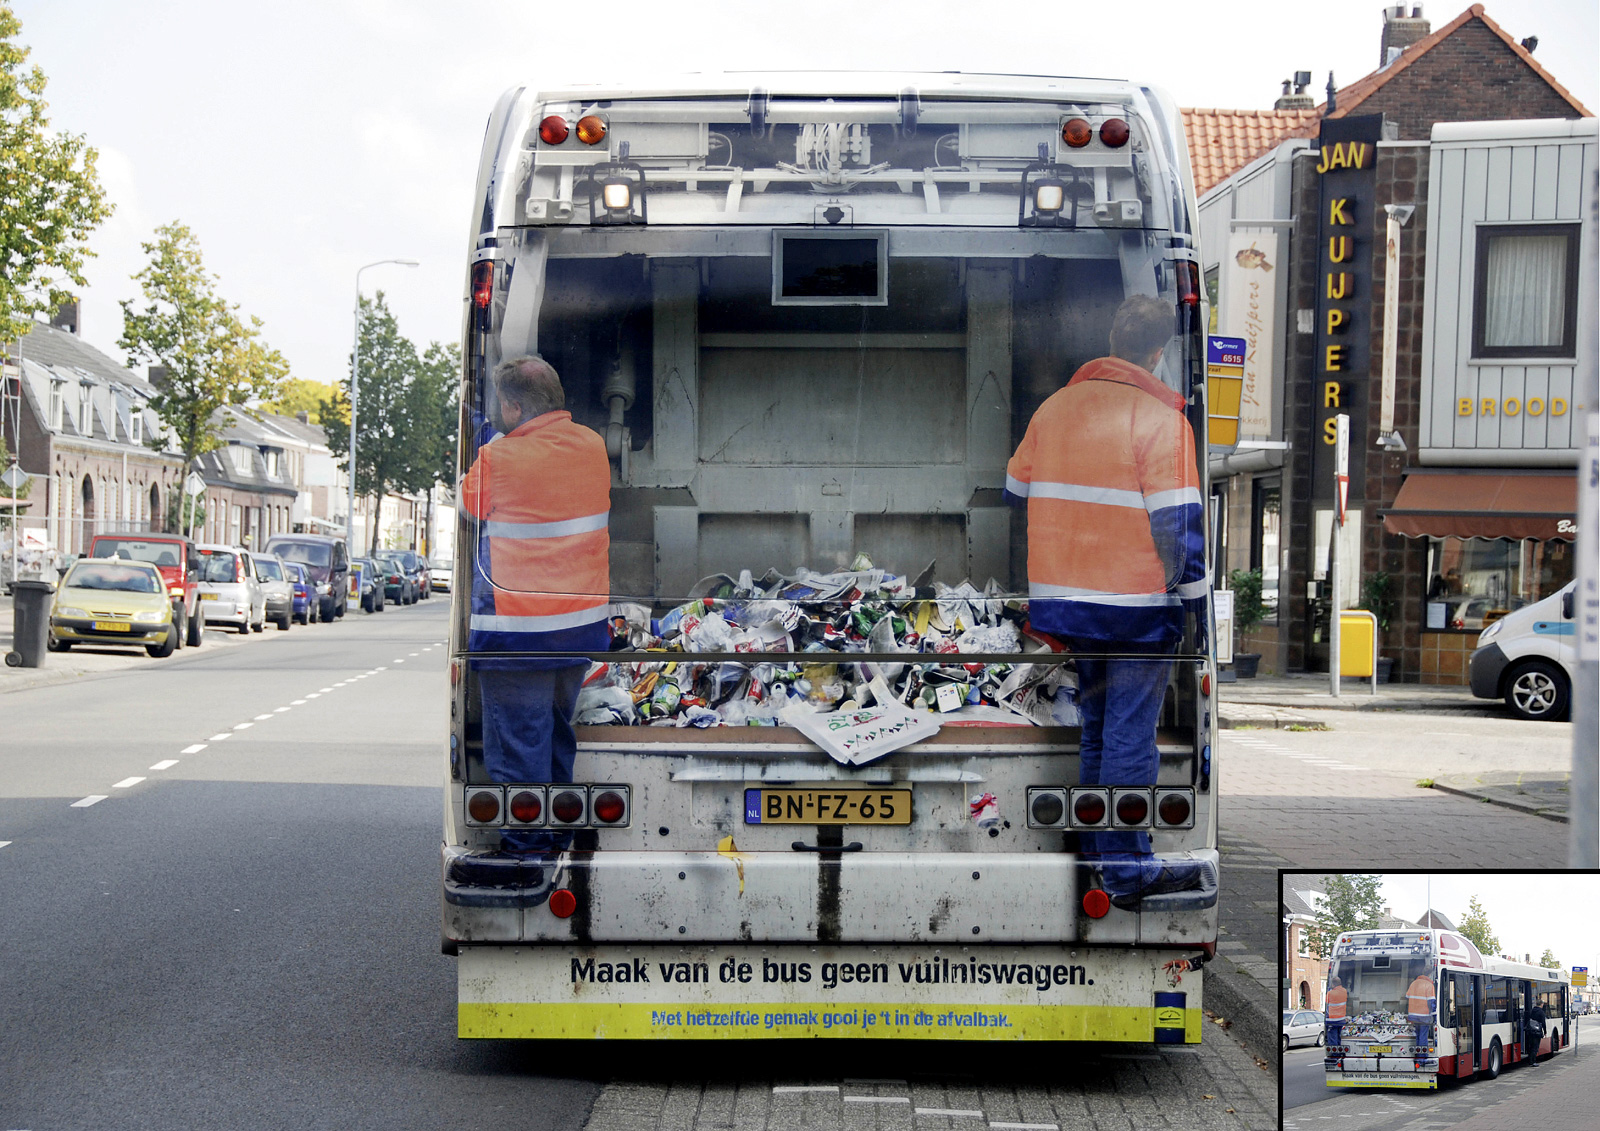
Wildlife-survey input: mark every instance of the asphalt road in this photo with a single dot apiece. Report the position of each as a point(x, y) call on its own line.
point(243, 932)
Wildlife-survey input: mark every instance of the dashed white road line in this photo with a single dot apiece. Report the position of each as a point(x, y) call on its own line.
point(314, 695)
point(195, 749)
point(3, 843)
point(296, 702)
point(220, 737)
point(324, 690)
point(279, 710)
point(262, 718)
point(1024, 1126)
point(877, 1099)
point(92, 799)
point(779, 1089)
point(165, 764)
point(243, 726)
point(398, 660)
point(126, 783)
point(950, 1112)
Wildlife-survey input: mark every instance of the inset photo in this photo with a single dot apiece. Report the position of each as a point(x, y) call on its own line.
point(1416, 1000)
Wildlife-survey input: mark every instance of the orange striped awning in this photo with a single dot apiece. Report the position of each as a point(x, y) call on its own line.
point(1486, 505)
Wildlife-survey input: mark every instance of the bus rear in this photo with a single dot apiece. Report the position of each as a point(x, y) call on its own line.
point(826, 778)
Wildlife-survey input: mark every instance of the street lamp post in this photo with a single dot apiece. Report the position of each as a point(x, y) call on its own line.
point(355, 375)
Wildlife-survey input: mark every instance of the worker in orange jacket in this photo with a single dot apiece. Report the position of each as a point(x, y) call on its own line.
point(541, 495)
point(1336, 1005)
point(1421, 1004)
point(1116, 557)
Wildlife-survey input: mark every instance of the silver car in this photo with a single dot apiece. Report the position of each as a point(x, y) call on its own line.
point(1301, 1027)
point(278, 590)
point(229, 591)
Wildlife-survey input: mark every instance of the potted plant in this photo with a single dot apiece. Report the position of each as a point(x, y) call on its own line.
point(1377, 594)
point(1248, 611)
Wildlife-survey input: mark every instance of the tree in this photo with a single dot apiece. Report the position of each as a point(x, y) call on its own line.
point(50, 194)
point(1548, 960)
point(213, 358)
point(299, 395)
point(436, 409)
point(1351, 903)
point(185, 512)
point(387, 433)
point(6, 515)
point(1475, 926)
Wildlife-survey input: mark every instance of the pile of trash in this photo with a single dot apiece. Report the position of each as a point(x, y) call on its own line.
point(827, 618)
point(1381, 1025)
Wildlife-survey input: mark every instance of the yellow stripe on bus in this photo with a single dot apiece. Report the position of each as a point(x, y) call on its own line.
point(634, 1021)
point(1379, 1084)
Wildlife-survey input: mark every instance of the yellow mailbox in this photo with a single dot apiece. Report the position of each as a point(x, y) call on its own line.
point(1224, 389)
point(1358, 643)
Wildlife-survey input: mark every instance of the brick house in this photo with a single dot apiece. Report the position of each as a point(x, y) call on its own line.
point(1461, 121)
point(1306, 972)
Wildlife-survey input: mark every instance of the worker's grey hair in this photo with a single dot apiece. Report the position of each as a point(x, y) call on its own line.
point(1141, 325)
point(532, 382)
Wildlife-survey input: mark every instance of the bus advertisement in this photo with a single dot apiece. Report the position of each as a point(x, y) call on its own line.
point(832, 655)
point(1407, 1008)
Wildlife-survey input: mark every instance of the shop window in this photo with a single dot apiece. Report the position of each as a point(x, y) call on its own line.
point(1213, 277)
point(1525, 296)
point(1473, 582)
point(1266, 504)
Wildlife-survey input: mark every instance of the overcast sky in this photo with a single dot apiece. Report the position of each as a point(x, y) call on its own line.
point(300, 140)
point(1527, 911)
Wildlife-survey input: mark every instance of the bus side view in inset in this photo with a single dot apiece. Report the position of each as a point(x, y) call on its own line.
point(832, 652)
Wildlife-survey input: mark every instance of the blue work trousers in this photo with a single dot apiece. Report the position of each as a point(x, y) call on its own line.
point(1120, 702)
point(528, 736)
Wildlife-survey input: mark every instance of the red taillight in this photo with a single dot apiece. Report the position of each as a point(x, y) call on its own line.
point(553, 130)
point(591, 129)
point(563, 903)
point(238, 569)
point(526, 806)
point(1077, 133)
point(1187, 276)
point(483, 283)
point(1090, 809)
point(1114, 132)
point(609, 807)
point(1205, 684)
point(483, 807)
point(1096, 903)
point(1132, 808)
point(1173, 809)
point(566, 806)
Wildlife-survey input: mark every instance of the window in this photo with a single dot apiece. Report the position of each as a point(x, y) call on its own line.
point(241, 458)
point(1497, 1002)
point(1473, 582)
point(1525, 294)
point(1266, 505)
point(57, 405)
point(85, 410)
point(136, 425)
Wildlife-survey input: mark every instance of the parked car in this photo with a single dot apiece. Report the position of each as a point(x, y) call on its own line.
point(1527, 658)
point(326, 559)
point(1301, 1027)
point(174, 555)
point(277, 589)
point(440, 574)
point(113, 601)
point(424, 577)
point(399, 586)
point(229, 591)
point(372, 574)
point(305, 593)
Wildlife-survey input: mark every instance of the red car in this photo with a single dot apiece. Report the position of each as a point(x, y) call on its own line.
point(175, 557)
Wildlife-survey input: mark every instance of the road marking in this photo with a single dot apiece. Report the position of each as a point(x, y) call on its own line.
point(262, 718)
point(243, 726)
point(3, 843)
point(126, 783)
point(220, 737)
point(314, 695)
point(415, 653)
point(877, 1100)
point(165, 764)
point(398, 660)
point(324, 690)
point(195, 749)
point(780, 1088)
point(279, 710)
point(85, 802)
point(950, 1111)
point(295, 703)
point(1024, 1126)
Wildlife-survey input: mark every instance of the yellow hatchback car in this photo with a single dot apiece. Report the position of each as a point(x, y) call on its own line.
point(113, 601)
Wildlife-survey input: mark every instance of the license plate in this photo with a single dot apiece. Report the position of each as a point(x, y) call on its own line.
point(110, 626)
point(827, 806)
point(208, 596)
point(1375, 1049)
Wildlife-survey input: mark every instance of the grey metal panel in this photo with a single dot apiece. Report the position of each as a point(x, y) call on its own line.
point(1521, 183)
point(1490, 379)
point(1536, 429)
point(1569, 195)
point(808, 488)
point(1563, 434)
point(728, 543)
point(988, 365)
point(1513, 382)
point(1546, 182)
point(1474, 197)
point(1497, 457)
point(677, 529)
point(675, 370)
point(989, 544)
point(1497, 199)
point(1443, 272)
point(906, 543)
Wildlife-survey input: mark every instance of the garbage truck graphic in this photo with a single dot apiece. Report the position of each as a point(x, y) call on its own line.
point(832, 656)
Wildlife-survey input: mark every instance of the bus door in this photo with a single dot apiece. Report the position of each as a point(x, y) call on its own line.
point(1469, 995)
point(1516, 991)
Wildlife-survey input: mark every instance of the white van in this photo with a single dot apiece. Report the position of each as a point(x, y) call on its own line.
point(1527, 658)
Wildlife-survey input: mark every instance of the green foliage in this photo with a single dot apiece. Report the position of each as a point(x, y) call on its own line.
point(1352, 903)
point(406, 418)
point(1377, 596)
point(214, 359)
point(5, 492)
point(1248, 609)
point(50, 194)
point(179, 517)
point(1548, 960)
point(299, 395)
point(1475, 926)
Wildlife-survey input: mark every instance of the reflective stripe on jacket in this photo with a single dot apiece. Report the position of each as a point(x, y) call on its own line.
point(542, 495)
point(1336, 1003)
point(1116, 537)
point(1420, 997)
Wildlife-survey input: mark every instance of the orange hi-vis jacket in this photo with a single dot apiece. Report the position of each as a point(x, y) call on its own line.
point(1420, 999)
point(542, 493)
point(1116, 535)
point(1336, 1003)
